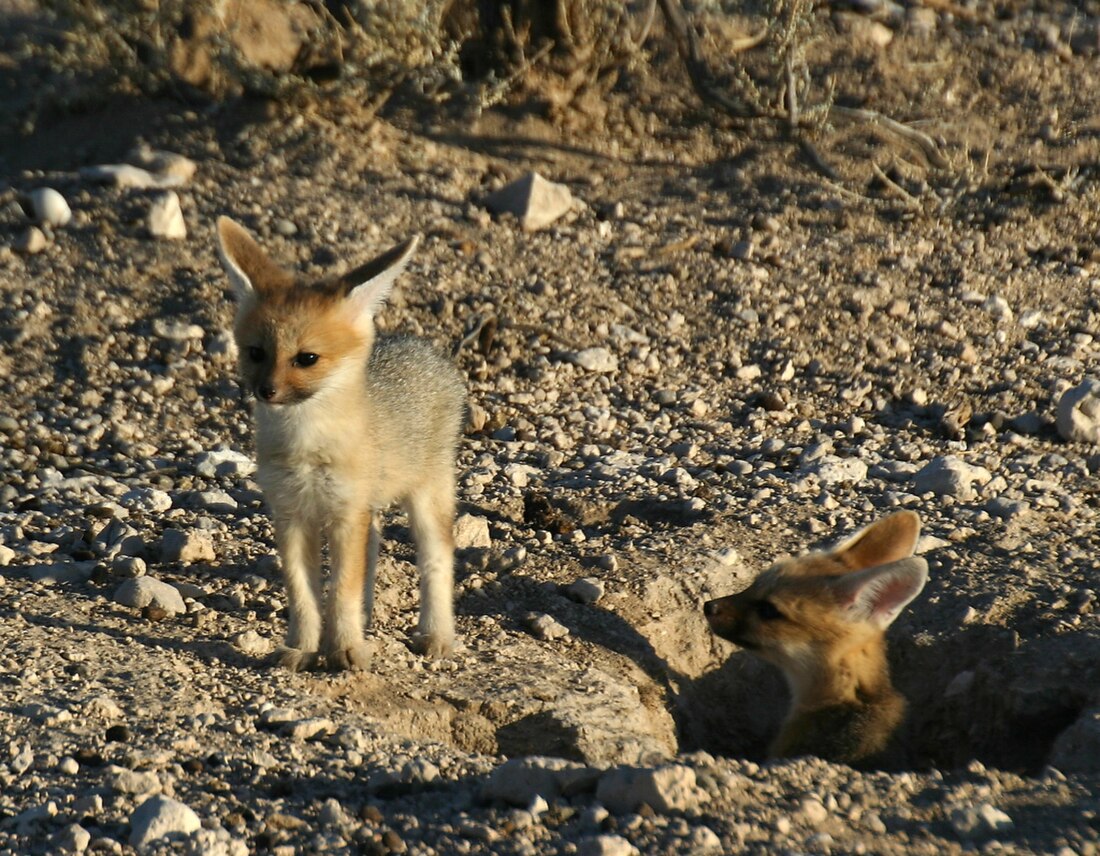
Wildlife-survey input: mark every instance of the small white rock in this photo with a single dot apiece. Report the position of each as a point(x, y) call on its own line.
point(158, 817)
point(546, 627)
point(1078, 418)
point(471, 531)
point(534, 200)
point(599, 360)
point(606, 845)
point(165, 218)
point(49, 207)
point(149, 591)
point(31, 241)
point(585, 590)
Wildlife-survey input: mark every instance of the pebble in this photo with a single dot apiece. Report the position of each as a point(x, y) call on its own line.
point(134, 782)
point(30, 242)
point(605, 845)
point(128, 566)
point(128, 176)
point(599, 360)
point(534, 200)
point(49, 207)
point(147, 499)
point(186, 547)
point(545, 627)
point(72, 838)
point(832, 470)
point(585, 590)
point(519, 780)
point(1007, 509)
point(159, 817)
point(471, 531)
point(224, 462)
point(251, 642)
point(663, 789)
point(950, 476)
point(167, 166)
point(165, 219)
point(149, 591)
point(980, 822)
point(1078, 419)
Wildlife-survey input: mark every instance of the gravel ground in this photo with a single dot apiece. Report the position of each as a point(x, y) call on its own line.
point(715, 357)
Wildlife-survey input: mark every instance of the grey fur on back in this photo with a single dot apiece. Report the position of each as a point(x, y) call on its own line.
point(418, 400)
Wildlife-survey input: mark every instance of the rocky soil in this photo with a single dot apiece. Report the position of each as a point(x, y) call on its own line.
point(715, 356)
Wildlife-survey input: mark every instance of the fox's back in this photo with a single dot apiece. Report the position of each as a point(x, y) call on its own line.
point(418, 405)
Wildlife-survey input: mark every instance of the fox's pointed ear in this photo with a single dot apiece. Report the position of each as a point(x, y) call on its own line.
point(247, 266)
point(878, 595)
point(369, 285)
point(886, 540)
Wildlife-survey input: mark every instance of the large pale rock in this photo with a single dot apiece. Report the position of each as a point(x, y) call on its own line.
point(950, 476)
point(159, 817)
point(1078, 417)
point(188, 546)
point(664, 789)
point(534, 200)
point(149, 591)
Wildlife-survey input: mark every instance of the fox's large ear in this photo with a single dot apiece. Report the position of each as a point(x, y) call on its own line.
point(369, 285)
point(886, 540)
point(878, 595)
point(246, 264)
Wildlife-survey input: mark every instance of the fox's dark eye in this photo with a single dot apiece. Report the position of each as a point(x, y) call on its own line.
point(256, 354)
point(767, 611)
point(305, 359)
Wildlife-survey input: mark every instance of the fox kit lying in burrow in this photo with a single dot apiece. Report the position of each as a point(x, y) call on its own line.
point(822, 619)
point(347, 422)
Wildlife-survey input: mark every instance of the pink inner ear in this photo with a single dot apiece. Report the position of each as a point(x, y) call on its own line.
point(889, 596)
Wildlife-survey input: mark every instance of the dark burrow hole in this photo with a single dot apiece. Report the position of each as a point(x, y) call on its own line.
point(979, 696)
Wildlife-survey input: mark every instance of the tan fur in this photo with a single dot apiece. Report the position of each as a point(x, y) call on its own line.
point(346, 424)
point(821, 618)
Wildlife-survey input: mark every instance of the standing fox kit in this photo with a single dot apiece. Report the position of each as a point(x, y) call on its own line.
point(822, 619)
point(347, 422)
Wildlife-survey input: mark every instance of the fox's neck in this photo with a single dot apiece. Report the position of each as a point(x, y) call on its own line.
point(857, 674)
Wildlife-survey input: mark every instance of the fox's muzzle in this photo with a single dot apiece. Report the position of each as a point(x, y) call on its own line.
point(725, 620)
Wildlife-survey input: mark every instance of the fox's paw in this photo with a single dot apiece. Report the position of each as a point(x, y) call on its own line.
point(355, 656)
point(433, 645)
point(295, 659)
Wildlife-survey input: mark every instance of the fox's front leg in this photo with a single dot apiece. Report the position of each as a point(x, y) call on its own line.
point(432, 513)
point(300, 551)
point(343, 643)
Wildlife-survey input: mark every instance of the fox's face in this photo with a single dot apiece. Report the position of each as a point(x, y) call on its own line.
point(298, 338)
point(804, 613)
point(293, 344)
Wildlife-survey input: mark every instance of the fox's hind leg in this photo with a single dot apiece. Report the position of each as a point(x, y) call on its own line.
point(372, 568)
point(431, 513)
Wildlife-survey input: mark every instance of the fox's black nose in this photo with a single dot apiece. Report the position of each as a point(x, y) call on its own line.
point(266, 391)
point(709, 608)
